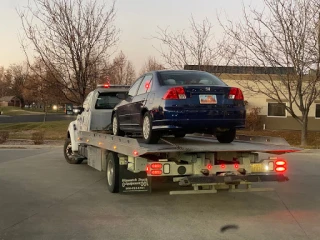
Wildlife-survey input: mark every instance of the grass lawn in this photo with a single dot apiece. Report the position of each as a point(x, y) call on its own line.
point(53, 130)
point(13, 111)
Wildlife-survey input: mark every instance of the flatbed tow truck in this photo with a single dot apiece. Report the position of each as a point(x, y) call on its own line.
point(197, 161)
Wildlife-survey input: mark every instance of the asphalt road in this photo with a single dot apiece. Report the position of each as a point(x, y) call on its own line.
point(43, 197)
point(35, 118)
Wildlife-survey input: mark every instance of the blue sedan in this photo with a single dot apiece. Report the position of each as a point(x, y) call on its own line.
point(179, 102)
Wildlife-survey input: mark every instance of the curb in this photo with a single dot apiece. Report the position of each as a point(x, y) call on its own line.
point(28, 146)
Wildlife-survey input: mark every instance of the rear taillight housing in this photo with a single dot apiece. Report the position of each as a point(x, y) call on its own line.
point(281, 166)
point(236, 94)
point(175, 93)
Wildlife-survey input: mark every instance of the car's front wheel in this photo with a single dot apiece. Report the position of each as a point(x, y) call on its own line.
point(226, 136)
point(149, 136)
point(116, 126)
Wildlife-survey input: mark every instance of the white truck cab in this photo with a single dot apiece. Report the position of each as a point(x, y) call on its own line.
point(95, 114)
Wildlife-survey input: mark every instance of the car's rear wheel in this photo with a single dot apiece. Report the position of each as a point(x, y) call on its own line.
point(226, 136)
point(116, 126)
point(149, 136)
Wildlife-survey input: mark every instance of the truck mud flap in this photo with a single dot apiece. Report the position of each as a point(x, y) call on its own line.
point(233, 179)
point(133, 183)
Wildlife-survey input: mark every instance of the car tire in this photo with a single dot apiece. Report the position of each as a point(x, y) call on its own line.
point(112, 172)
point(180, 135)
point(68, 154)
point(149, 136)
point(116, 126)
point(226, 136)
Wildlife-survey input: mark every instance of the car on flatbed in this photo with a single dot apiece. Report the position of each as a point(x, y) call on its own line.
point(180, 102)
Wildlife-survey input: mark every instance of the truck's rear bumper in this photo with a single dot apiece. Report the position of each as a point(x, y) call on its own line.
point(233, 179)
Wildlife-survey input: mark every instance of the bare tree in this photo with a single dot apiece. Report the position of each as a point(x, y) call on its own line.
point(197, 48)
point(72, 38)
point(151, 65)
point(14, 78)
point(121, 71)
point(285, 37)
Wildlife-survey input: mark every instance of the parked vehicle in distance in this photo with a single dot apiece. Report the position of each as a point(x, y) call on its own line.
point(180, 102)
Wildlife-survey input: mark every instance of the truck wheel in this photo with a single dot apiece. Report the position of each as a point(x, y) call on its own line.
point(68, 154)
point(113, 172)
point(149, 136)
point(116, 126)
point(226, 136)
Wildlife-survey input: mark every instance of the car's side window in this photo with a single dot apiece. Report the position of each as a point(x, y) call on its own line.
point(145, 85)
point(134, 88)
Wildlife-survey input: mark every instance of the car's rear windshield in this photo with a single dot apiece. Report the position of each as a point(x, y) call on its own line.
point(189, 78)
point(107, 100)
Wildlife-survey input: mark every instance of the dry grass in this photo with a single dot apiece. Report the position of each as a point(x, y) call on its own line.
point(56, 130)
point(292, 137)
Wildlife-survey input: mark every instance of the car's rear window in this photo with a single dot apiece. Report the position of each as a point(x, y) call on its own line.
point(107, 100)
point(189, 78)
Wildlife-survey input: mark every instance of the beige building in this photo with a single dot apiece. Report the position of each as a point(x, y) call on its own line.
point(274, 115)
point(10, 101)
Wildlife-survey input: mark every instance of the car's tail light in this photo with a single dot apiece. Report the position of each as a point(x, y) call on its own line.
point(175, 93)
point(156, 166)
point(235, 93)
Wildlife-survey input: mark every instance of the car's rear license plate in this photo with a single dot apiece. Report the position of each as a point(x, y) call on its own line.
point(208, 99)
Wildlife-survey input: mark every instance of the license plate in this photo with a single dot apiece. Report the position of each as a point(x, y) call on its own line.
point(208, 99)
point(258, 167)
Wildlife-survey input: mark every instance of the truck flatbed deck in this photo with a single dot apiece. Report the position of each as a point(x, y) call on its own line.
point(191, 143)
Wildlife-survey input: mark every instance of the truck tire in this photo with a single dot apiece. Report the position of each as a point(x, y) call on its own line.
point(112, 172)
point(116, 126)
point(149, 136)
point(226, 136)
point(68, 154)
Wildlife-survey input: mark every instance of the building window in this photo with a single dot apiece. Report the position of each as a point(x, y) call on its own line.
point(277, 110)
point(317, 110)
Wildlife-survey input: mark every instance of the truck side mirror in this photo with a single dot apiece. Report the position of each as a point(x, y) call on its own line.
point(78, 110)
point(121, 96)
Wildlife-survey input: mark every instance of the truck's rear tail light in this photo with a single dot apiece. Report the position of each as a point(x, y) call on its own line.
point(175, 93)
point(280, 169)
point(223, 166)
point(235, 93)
point(156, 166)
point(280, 163)
point(148, 169)
point(236, 166)
point(135, 153)
point(209, 166)
point(156, 172)
point(280, 166)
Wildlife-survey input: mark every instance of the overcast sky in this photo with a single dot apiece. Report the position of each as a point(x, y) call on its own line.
point(137, 19)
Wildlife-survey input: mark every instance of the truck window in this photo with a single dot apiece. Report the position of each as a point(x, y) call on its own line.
point(107, 100)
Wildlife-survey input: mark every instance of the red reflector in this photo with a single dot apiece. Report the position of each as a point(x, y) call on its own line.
point(235, 93)
point(280, 169)
point(280, 163)
point(223, 166)
point(209, 166)
point(236, 166)
point(135, 153)
point(156, 172)
point(148, 169)
point(147, 85)
point(156, 166)
point(175, 93)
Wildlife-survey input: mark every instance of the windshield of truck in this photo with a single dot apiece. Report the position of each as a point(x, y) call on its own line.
point(107, 100)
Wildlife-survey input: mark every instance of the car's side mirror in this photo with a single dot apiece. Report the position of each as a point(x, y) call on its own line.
point(122, 96)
